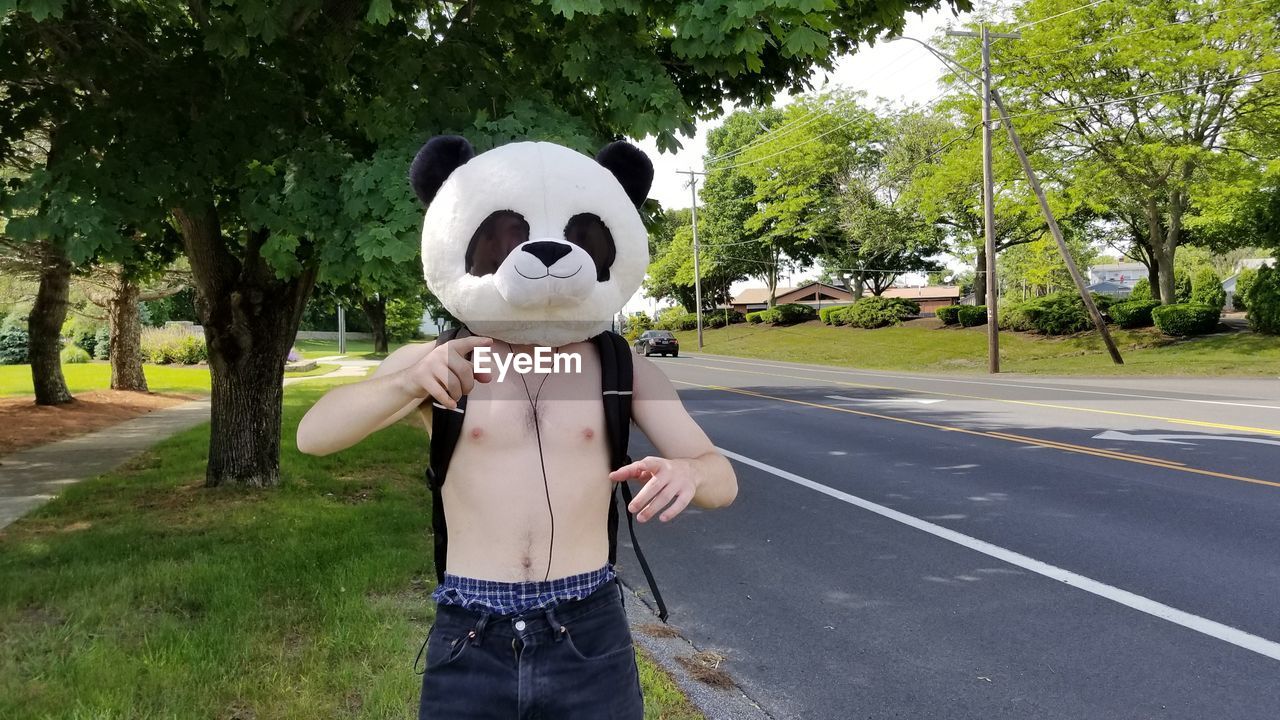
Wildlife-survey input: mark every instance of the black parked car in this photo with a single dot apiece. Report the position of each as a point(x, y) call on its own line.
point(657, 341)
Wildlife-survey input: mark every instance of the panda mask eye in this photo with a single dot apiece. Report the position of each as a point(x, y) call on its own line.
point(500, 234)
point(589, 232)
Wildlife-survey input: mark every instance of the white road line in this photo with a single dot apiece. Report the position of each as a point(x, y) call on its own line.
point(1213, 629)
point(930, 378)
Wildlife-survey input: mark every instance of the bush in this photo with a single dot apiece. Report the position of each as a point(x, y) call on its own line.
point(1141, 290)
point(73, 354)
point(172, 345)
point(1181, 287)
point(1264, 301)
point(83, 332)
point(949, 314)
point(755, 318)
point(825, 313)
point(1134, 313)
point(791, 313)
point(1206, 289)
point(102, 343)
point(1185, 319)
point(1244, 281)
point(972, 315)
point(1060, 313)
point(876, 312)
point(404, 318)
point(1013, 316)
point(13, 345)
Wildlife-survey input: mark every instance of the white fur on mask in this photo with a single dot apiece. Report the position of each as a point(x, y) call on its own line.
point(526, 301)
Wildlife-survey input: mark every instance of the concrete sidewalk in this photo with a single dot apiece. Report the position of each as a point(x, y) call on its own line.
point(29, 478)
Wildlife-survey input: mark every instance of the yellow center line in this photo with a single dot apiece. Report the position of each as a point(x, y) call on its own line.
point(870, 386)
point(1023, 440)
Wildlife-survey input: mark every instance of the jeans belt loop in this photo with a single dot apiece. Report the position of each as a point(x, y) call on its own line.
point(557, 629)
point(479, 628)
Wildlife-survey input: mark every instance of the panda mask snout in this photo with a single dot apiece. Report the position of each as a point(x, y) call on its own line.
point(546, 272)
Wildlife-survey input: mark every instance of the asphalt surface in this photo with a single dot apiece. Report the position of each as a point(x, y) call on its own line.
point(971, 547)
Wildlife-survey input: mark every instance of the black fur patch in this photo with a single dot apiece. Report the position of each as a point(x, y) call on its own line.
point(435, 162)
point(632, 168)
point(589, 232)
point(499, 234)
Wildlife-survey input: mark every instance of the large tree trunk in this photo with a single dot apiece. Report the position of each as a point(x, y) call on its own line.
point(857, 286)
point(376, 310)
point(45, 326)
point(250, 318)
point(126, 337)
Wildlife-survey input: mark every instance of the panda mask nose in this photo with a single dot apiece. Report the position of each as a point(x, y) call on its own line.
point(547, 251)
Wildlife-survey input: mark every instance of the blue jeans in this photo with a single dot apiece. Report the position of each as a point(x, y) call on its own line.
point(574, 661)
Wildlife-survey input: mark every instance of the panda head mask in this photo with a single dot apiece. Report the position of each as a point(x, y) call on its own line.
point(532, 242)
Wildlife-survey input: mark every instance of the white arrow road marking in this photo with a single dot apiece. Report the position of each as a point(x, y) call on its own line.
point(1177, 439)
point(1214, 629)
point(917, 401)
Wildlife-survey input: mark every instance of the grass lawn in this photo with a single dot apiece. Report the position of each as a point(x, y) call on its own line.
point(319, 369)
point(356, 349)
point(96, 375)
point(141, 594)
point(925, 346)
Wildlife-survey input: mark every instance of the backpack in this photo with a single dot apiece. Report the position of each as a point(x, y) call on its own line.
point(616, 376)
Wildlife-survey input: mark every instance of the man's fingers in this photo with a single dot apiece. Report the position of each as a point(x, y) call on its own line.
point(661, 500)
point(677, 507)
point(647, 494)
point(462, 346)
point(636, 469)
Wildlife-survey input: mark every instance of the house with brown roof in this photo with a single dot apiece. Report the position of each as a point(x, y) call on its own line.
point(819, 295)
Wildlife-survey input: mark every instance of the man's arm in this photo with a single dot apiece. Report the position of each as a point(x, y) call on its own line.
point(689, 469)
point(349, 413)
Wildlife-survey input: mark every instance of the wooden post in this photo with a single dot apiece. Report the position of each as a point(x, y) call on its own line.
point(1098, 322)
point(989, 211)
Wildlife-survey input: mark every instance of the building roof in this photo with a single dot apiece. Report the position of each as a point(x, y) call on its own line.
point(1118, 266)
point(1107, 287)
point(924, 293)
point(752, 296)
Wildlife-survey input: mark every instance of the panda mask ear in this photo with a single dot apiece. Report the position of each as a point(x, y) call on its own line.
point(631, 167)
point(435, 162)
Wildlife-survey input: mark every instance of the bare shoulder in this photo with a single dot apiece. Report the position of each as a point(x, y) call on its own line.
point(649, 382)
point(403, 357)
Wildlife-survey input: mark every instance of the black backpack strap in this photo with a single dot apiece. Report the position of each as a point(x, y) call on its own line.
point(616, 381)
point(446, 428)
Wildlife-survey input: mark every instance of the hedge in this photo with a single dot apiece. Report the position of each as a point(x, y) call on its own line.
point(1244, 281)
point(1264, 301)
point(1185, 319)
point(1134, 313)
point(172, 345)
point(1061, 313)
point(948, 314)
point(755, 318)
point(877, 312)
point(716, 318)
point(791, 313)
point(825, 313)
point(1013, 316)
point(1206, 289)
point(972, 315)
point(73, 354)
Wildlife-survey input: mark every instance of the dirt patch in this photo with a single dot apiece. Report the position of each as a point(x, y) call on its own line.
point(658, 631)
point(24, 424)
point(705, 667)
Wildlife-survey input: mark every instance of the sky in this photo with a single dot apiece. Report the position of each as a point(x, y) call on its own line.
point(900, 72)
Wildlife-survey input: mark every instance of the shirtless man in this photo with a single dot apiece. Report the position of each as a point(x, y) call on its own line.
point(529, 617)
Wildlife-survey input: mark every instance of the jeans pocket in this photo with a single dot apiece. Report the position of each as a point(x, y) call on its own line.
point(601, 635)
point(445, 646)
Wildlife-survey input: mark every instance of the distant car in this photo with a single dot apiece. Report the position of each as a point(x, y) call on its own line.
point(657, 341)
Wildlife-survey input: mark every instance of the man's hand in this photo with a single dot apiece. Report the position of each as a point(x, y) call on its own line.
point(669, 484)
point(446, 373)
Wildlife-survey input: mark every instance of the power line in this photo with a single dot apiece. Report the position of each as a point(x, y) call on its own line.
point(787, 128)
point(1254, 75)
point(1061, 14)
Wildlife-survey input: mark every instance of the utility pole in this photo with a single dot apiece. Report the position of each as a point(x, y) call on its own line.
point(988, 193)
point(697, 274)
point(1056, 231)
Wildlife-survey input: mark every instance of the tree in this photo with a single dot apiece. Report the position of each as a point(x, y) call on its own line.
point(268, 136)
point(1147, 104)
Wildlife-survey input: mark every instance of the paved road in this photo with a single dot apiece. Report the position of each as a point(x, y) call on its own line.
point(965, 547)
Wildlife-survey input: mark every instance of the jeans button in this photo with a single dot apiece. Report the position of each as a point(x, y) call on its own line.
point(520, 626)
